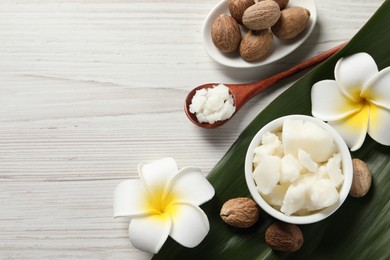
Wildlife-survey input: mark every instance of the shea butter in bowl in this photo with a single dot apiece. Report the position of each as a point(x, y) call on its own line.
point(298, 169)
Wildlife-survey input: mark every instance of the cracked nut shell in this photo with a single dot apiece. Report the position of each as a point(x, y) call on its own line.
point(256, 44)
point(262, 15)
point(284, 237)
point(238, 7)
point(225, 33)
point(291, 23)
point(282, 3)
point(362, 179)
point(240, 212)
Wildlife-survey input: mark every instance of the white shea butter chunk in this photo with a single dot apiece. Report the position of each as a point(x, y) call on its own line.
point(332, 171)
point(275, 198)
point(306, 161)
point(322, 194)
point(212, 104)
point(309, 193)
point(333, 168)
point(273, 141)
point(314, 140)
point(322, 172)
point(296, 195)
point(290, 169)
point(267, 174)
point(270, 145)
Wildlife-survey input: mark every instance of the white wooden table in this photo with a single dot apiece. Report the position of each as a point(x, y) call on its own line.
point(91, 88)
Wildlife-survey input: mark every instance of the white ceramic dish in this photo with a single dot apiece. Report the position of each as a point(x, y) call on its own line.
point(346, 164)
point(280, 48)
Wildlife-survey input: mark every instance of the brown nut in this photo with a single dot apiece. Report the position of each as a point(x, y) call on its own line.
point(240, 212)
point(292, 22)
point(282, 3)
point(284, 237)
point(362, 179)
point(238, 7)
point(256, 44)
point(225, 33)
point(262, 15)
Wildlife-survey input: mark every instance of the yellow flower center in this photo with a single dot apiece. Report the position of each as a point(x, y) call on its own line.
point(160, 204)
point(361, 117)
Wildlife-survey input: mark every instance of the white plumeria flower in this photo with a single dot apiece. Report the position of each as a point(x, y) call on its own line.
point(357, 102)
point(165, 201)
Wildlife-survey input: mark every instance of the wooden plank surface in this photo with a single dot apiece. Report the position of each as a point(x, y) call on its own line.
point(89, 89)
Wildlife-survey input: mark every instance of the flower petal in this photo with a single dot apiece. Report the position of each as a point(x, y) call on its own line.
point(130, 199)
point(157, 174)
point(190, 224)
point(329, 103)
point(377, 90)
point(353, 128)
point(379, 124)
point(149, 233)
point(190, 186)
point(353, 72)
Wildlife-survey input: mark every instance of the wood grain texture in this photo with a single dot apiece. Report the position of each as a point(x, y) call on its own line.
point(89, 89)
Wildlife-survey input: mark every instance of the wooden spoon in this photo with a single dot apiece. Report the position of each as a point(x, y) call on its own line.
point(242, 93)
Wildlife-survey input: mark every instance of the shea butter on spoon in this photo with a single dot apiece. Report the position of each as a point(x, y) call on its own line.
point(298, 169)
point(212, 104)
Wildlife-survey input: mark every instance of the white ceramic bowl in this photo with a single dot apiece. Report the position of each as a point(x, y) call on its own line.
point(346, 164)
point(280, 48)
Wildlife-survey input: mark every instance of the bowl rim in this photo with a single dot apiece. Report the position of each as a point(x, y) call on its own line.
point(346, 166)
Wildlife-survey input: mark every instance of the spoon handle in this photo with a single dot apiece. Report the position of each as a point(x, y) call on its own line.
point(252, 89)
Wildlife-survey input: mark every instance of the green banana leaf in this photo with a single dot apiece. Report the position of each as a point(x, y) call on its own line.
point(360, 229)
